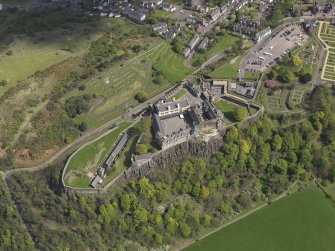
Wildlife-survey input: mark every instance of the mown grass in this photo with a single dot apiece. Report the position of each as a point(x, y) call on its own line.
point(227, 109)
point(227, 70)
point(304, 221)
point(173, 66)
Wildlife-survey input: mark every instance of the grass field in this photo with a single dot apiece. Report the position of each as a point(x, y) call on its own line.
point(227, 70)
point(304, 221)
point(29, 56)
point(89, 157)
point(227, 109)
point(223, 43)
point(173, 66)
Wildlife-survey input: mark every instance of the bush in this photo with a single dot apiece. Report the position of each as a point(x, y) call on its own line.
point(82, 126)
point(305, 78)
point(3, 83)
point(240, 113)
point(141, 96)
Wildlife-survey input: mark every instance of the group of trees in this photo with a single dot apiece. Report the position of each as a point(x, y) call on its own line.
point(254, 163)
point(79, 104)
point(289, 68)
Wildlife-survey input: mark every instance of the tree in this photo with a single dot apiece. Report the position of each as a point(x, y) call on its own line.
point(296, 60)
point(276, 142)
point(141, 96)
point(141, 149)
point(273, 74)
point(244, 146)
point(82, 126)
point(185, 229)
point(305, 78)
point(240, 113)
point(285, 74)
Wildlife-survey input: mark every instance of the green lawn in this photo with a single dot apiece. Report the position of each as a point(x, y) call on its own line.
point(227, 109)
point(224, 43)
point(173, 66)
point(28, 57)
point(89, 157)
point(304, 221)
point(227, 70)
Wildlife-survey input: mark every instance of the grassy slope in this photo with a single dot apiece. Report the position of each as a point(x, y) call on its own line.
point(173, 67)
point(304, 221)
point(29, 57)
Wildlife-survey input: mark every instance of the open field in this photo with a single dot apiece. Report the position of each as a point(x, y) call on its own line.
point(85, 161)
point(32, 55)
point(327, 34)
point(303, 221)
point(223, 43)
point(227, 70)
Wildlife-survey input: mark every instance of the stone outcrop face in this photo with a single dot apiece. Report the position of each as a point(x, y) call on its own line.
point(174, 155)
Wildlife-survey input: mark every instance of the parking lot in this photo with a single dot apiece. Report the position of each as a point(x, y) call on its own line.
point(272, 49)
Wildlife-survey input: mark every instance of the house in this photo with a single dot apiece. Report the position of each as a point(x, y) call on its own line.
point(150, 4)
point(160, 28)
point(186, 52)
point(193, 42)
point(133, 15)
point(215, 14)
point(262, 34)
point(203, 43)
point(193, 5)
point(168, 7)
point(262, 8)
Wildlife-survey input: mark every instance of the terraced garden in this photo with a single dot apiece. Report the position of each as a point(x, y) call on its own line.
point(327, 35)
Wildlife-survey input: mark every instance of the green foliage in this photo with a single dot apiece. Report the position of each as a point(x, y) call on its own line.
point(77, 105)
point(141, 96)
point(141, 149)
point(285, 74)
point(240, 113)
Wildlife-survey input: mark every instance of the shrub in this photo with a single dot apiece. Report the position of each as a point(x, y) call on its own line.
point(141, 96)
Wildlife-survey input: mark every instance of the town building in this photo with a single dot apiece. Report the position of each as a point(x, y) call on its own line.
point(203, 43)
point(168, 7)
point(193, 42)
point(215, 14)
point(262, 34)
point(136, 16)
